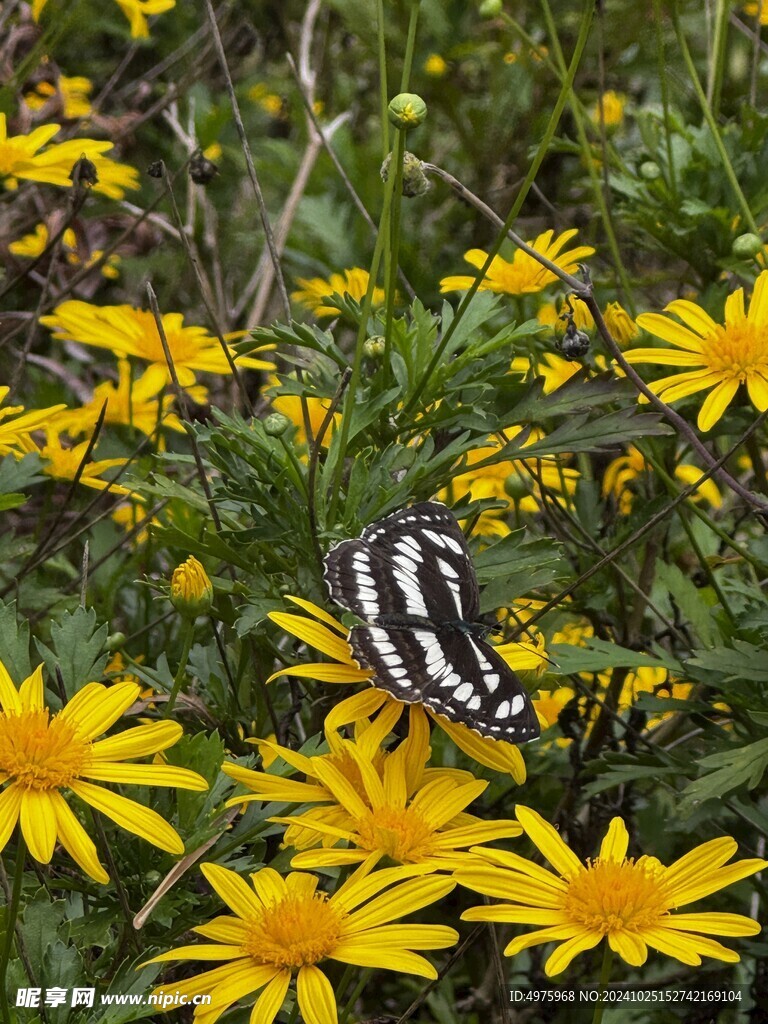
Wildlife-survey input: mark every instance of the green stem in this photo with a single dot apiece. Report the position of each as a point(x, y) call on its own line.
point(383, 87)
point(717, 62)
point(365, 975)
point(605, 975)
point(662, 63)
point(409, 45)
point(393, 251)
point(189, 632)
point(541, 152)
point(10, 925)
point(709, 117)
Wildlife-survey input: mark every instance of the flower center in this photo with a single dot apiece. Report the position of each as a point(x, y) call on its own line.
point(295, 931)
point(40, 752)
point(402, 834)
point(611, 897)
point(737, 348)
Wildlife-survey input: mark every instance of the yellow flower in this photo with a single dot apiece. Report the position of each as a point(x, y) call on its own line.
point(622, 472)
point(35, 243)
point(724, 355)
point(136, 11)
point(435, 66)
point(130, 403)
point(64, 463)
point(496, 754)
point(316, 290)
point(621, 325)
point(132, 333)
point(524, 275)
point(15, 432)
point(191, 589)
point(132, 514)
point(555, 370)
point(631, 902)
point(284, 927)
point(43, 754)
point(753, 7)
point(499, 479)
point(74, 93)
point(290, 406)
point(20, 158)
point(551, 316)
point(269, 102)
point(611, 105)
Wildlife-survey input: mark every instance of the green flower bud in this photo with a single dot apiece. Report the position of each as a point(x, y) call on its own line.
point(374, 347)
point(746, 246)
point(191, 590)
point(407, 110)
point(115, 641)
point(415, 181)
point(276, 424)
point(491, 8)
point(517, 487)
point(650, 170)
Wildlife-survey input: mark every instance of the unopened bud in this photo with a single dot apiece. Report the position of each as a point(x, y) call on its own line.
point(415, 181)
point(650, 170)
point(491, 8)
point(746, 246)
point(374, 347)
point(191, 590)
point(407, 110)
point(276, 424)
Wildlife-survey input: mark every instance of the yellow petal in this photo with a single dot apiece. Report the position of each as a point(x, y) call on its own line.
point(327, 858)
point(317, 1002)
point(547, 839)
point(146, 775)
point(390, 960)
point(406, 898)
point(342, 788)
point(662, 327)
point(629, 946)
point(677, 946)
point(757, 386)
point(496, 754)
point(716, 402)
point(136, 818)
point(700, 861)
point(614, 846)
point(10, 805)
point(527, 867)
point(734, 307)
point(314, 634)
point(325, 673)
point(32, 692)
point(758, 304)
point(713, 881)
point(201, 951)
point(9, 695)
point(510, 886)
point(228, 930)
point(508, 914)
point(566, 951)
point(95, 707)
point(319, 613)
point(270, 1002)
point(76, 840)
point(269, 886)
point(693, 316)
point(38, 824)
point(233, 890)
point(712, 924)
point(352, 709)
point(537, 938)
point(137, 742)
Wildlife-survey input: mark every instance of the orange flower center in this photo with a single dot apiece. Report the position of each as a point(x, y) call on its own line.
point(613, 897)
point(294, 932)
point(401, 833)
point(40, 752)
point(738, 348)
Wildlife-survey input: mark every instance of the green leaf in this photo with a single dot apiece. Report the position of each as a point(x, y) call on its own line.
point(742, 661)
point(601, 654)
point(14, 643)
point(691, 601)
point(734, 768)
point(77, 649)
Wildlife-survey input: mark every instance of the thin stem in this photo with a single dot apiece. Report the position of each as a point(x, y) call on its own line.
point(662, 63)
point(10, 925)
point(350, 1004)
point(189, 633)
point(717, 60)
point(383, 86)
point(393, 250)
point(605, 976)
point(714, 129)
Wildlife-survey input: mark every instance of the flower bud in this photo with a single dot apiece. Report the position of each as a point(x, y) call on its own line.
point(276, 424)
point(191, 590)
point(114, 641)
point(620, 324)
point(491, 8)
point(201, 169)
point(374, 347)
point(649, 170)
point(407, 110)
point(746, 246)
point(415, 181)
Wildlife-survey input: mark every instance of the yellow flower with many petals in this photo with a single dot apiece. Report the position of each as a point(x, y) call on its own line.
point(73, 93)
point(720, 356)
point(34, 244)
point(317, 408)
point(609, 109)
point(21, 158)
point(43, 754)
point(496, 754)
point(70, 463)
point(555, 370)
point(315, 291)
point(15, 429)
point(524, 275)
point(630, 902)
point(620, 324)
point(625, 471)
point(136, 11)
point(753, 7)
point(132, 333)
point(284, 927)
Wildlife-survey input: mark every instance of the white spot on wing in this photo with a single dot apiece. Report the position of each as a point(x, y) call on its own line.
point(492, 681)
point(502, 711)
point(463, 692)
point(518, 703)
point(447, 569)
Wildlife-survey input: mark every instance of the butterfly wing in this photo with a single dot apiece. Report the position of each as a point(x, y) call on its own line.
point(413, 564)
point(451, 672)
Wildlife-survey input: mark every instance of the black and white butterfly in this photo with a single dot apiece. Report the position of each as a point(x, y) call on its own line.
point(411, 579)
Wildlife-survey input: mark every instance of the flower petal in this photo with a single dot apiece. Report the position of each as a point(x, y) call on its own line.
point(712, 924)
point(146, 775)
point(389, 959)
point(314, 634)
point(32, 692)
point(201, 951)
point(319, 613)
point(95, 707)
point(406, 898)
point(76, 840)
point(317, 1002)
point(757, 386)
point(38, 824)
point(716, 402)
point(663, 327)
point(565, 952)
point(614, 846)
point(140, 820)
point(629, 946)
point(233, 890)
point(509, 914)
point(270, 1002)
point(668, 942)
point(229, 930)
point(548, 840)
point(137, 742)
point(537, 938)
point(496, 754)
point(758, 304)
point(9, 695)
point(693, 316)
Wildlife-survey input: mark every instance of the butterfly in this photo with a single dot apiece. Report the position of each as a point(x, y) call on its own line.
point(410, 578)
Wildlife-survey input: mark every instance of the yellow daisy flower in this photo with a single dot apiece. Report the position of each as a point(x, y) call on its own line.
point(496, 754)
point(20, 157)
point(34, 244)
point(64, 463)
point(631, 902)
point(753, 7)
point(132, 514)
point(555, 370)
point(136, 11)
point(625, 470)
point(284, 927)
point(314, 292)
point(44, 754)
point(132, 333)
point(721, 356)
point(290, 406)
point(524, 275)
point(74, 93)
point(435, 66)
point(15, 429)
point(620, 324)
point(611, 106)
